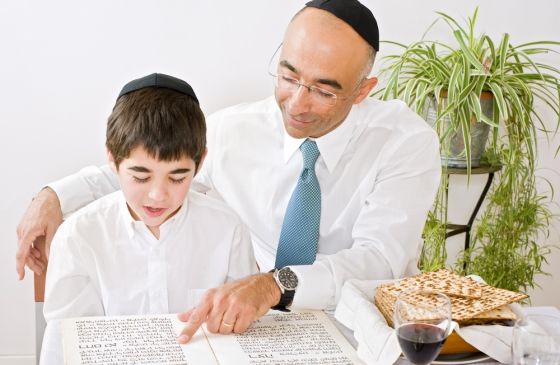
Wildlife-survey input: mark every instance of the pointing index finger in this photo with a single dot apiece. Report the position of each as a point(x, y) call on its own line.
point(196, 317)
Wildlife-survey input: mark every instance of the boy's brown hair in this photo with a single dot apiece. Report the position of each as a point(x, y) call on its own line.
point(168, 124)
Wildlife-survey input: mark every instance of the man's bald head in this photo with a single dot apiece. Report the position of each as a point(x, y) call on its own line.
point(321, 26)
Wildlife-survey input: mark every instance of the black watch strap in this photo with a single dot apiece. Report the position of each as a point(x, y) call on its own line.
point(286, 299)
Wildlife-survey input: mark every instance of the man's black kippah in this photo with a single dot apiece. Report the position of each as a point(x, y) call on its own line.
point(159, 80)
point(354, 14)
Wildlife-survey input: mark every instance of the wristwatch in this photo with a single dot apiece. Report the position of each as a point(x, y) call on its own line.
point(287, 281)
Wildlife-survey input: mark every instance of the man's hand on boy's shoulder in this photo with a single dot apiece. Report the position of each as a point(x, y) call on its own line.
point(42, 218)
point(232, 307)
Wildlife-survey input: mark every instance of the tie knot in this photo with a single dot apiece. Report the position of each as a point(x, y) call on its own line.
point(310, 153)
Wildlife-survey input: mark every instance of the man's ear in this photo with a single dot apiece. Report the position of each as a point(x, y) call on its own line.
point(365, 89)
point(111, 160)
point(201, 161)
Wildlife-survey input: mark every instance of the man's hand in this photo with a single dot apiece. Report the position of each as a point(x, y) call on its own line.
point(232, 307)
point(42, 218)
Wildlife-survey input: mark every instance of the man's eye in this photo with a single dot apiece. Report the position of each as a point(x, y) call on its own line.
point(324, 94)
point(140, 180)
point(289, 80)
point(177, 181)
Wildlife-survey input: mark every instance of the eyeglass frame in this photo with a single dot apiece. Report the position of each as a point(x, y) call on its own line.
point(310, 88)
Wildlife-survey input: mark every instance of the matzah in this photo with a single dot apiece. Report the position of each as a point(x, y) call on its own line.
point(464, 310)
point(444, 281)
point(503, 313)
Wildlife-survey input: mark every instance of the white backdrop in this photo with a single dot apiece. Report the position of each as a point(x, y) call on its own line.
point(62, 63)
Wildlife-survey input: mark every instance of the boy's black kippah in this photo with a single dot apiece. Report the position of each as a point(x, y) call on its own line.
point(159, 80)
point(354, 14)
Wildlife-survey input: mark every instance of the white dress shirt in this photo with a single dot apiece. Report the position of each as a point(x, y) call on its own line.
point(103, 262)
point(378, 172)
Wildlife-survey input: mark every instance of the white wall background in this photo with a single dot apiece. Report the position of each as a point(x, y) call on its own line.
point(62, 63)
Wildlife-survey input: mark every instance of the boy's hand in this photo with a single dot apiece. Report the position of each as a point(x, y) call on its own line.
point(42, 218)
point(232, 307)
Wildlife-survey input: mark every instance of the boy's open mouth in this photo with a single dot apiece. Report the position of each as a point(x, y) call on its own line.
point(153, 212)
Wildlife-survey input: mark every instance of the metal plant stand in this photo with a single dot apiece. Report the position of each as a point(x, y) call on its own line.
point(455, 229)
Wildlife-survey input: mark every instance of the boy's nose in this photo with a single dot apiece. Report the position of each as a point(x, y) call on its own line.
point(157, 192)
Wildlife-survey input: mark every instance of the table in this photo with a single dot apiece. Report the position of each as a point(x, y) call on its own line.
point(52, 354)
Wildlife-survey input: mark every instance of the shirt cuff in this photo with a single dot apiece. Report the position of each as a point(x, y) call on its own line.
point(315, 288)
point(73, 193)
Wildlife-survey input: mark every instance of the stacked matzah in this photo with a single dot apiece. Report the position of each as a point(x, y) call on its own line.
point(471, 302)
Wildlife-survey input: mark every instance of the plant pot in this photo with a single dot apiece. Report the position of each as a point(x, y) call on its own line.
point(453, 152)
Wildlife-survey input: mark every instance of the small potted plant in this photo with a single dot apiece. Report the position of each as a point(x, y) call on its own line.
point(469, 89)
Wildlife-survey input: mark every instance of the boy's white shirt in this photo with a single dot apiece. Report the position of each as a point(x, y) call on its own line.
point(103, 262)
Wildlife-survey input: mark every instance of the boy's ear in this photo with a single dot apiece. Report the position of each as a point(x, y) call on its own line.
point(201, 161)
point(111, 160)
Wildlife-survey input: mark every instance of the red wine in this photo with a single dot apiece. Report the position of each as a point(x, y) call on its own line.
point(420, 342)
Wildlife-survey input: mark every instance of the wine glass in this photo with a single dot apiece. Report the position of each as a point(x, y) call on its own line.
point(536, 340)
point(423, 322)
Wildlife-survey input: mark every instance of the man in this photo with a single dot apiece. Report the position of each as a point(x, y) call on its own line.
point(332, 184)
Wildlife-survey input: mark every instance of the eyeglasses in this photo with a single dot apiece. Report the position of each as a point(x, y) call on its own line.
point(291, 85)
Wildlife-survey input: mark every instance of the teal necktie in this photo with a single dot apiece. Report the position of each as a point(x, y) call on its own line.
point(300, 230)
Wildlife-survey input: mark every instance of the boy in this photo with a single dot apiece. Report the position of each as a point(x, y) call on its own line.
point(153, 247)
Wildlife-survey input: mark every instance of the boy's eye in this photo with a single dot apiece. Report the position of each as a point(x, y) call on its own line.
point(140, 180)
point(177, 181)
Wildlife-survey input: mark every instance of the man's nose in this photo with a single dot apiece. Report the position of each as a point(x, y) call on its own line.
point(300, 101)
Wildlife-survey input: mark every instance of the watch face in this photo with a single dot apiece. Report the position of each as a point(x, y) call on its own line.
point(287, 278)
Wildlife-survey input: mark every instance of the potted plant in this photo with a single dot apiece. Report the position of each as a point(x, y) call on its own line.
point(463, 88)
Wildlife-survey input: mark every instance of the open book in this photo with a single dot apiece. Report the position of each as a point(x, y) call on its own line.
point(295, 338)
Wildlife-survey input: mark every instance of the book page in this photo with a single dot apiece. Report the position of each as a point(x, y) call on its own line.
point(294, 338)
point(147, 339)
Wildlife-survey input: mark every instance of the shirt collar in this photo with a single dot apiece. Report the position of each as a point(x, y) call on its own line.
point(134, 226)
point(332, 145)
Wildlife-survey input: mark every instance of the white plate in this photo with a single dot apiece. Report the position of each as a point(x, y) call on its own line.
point(457, 359)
